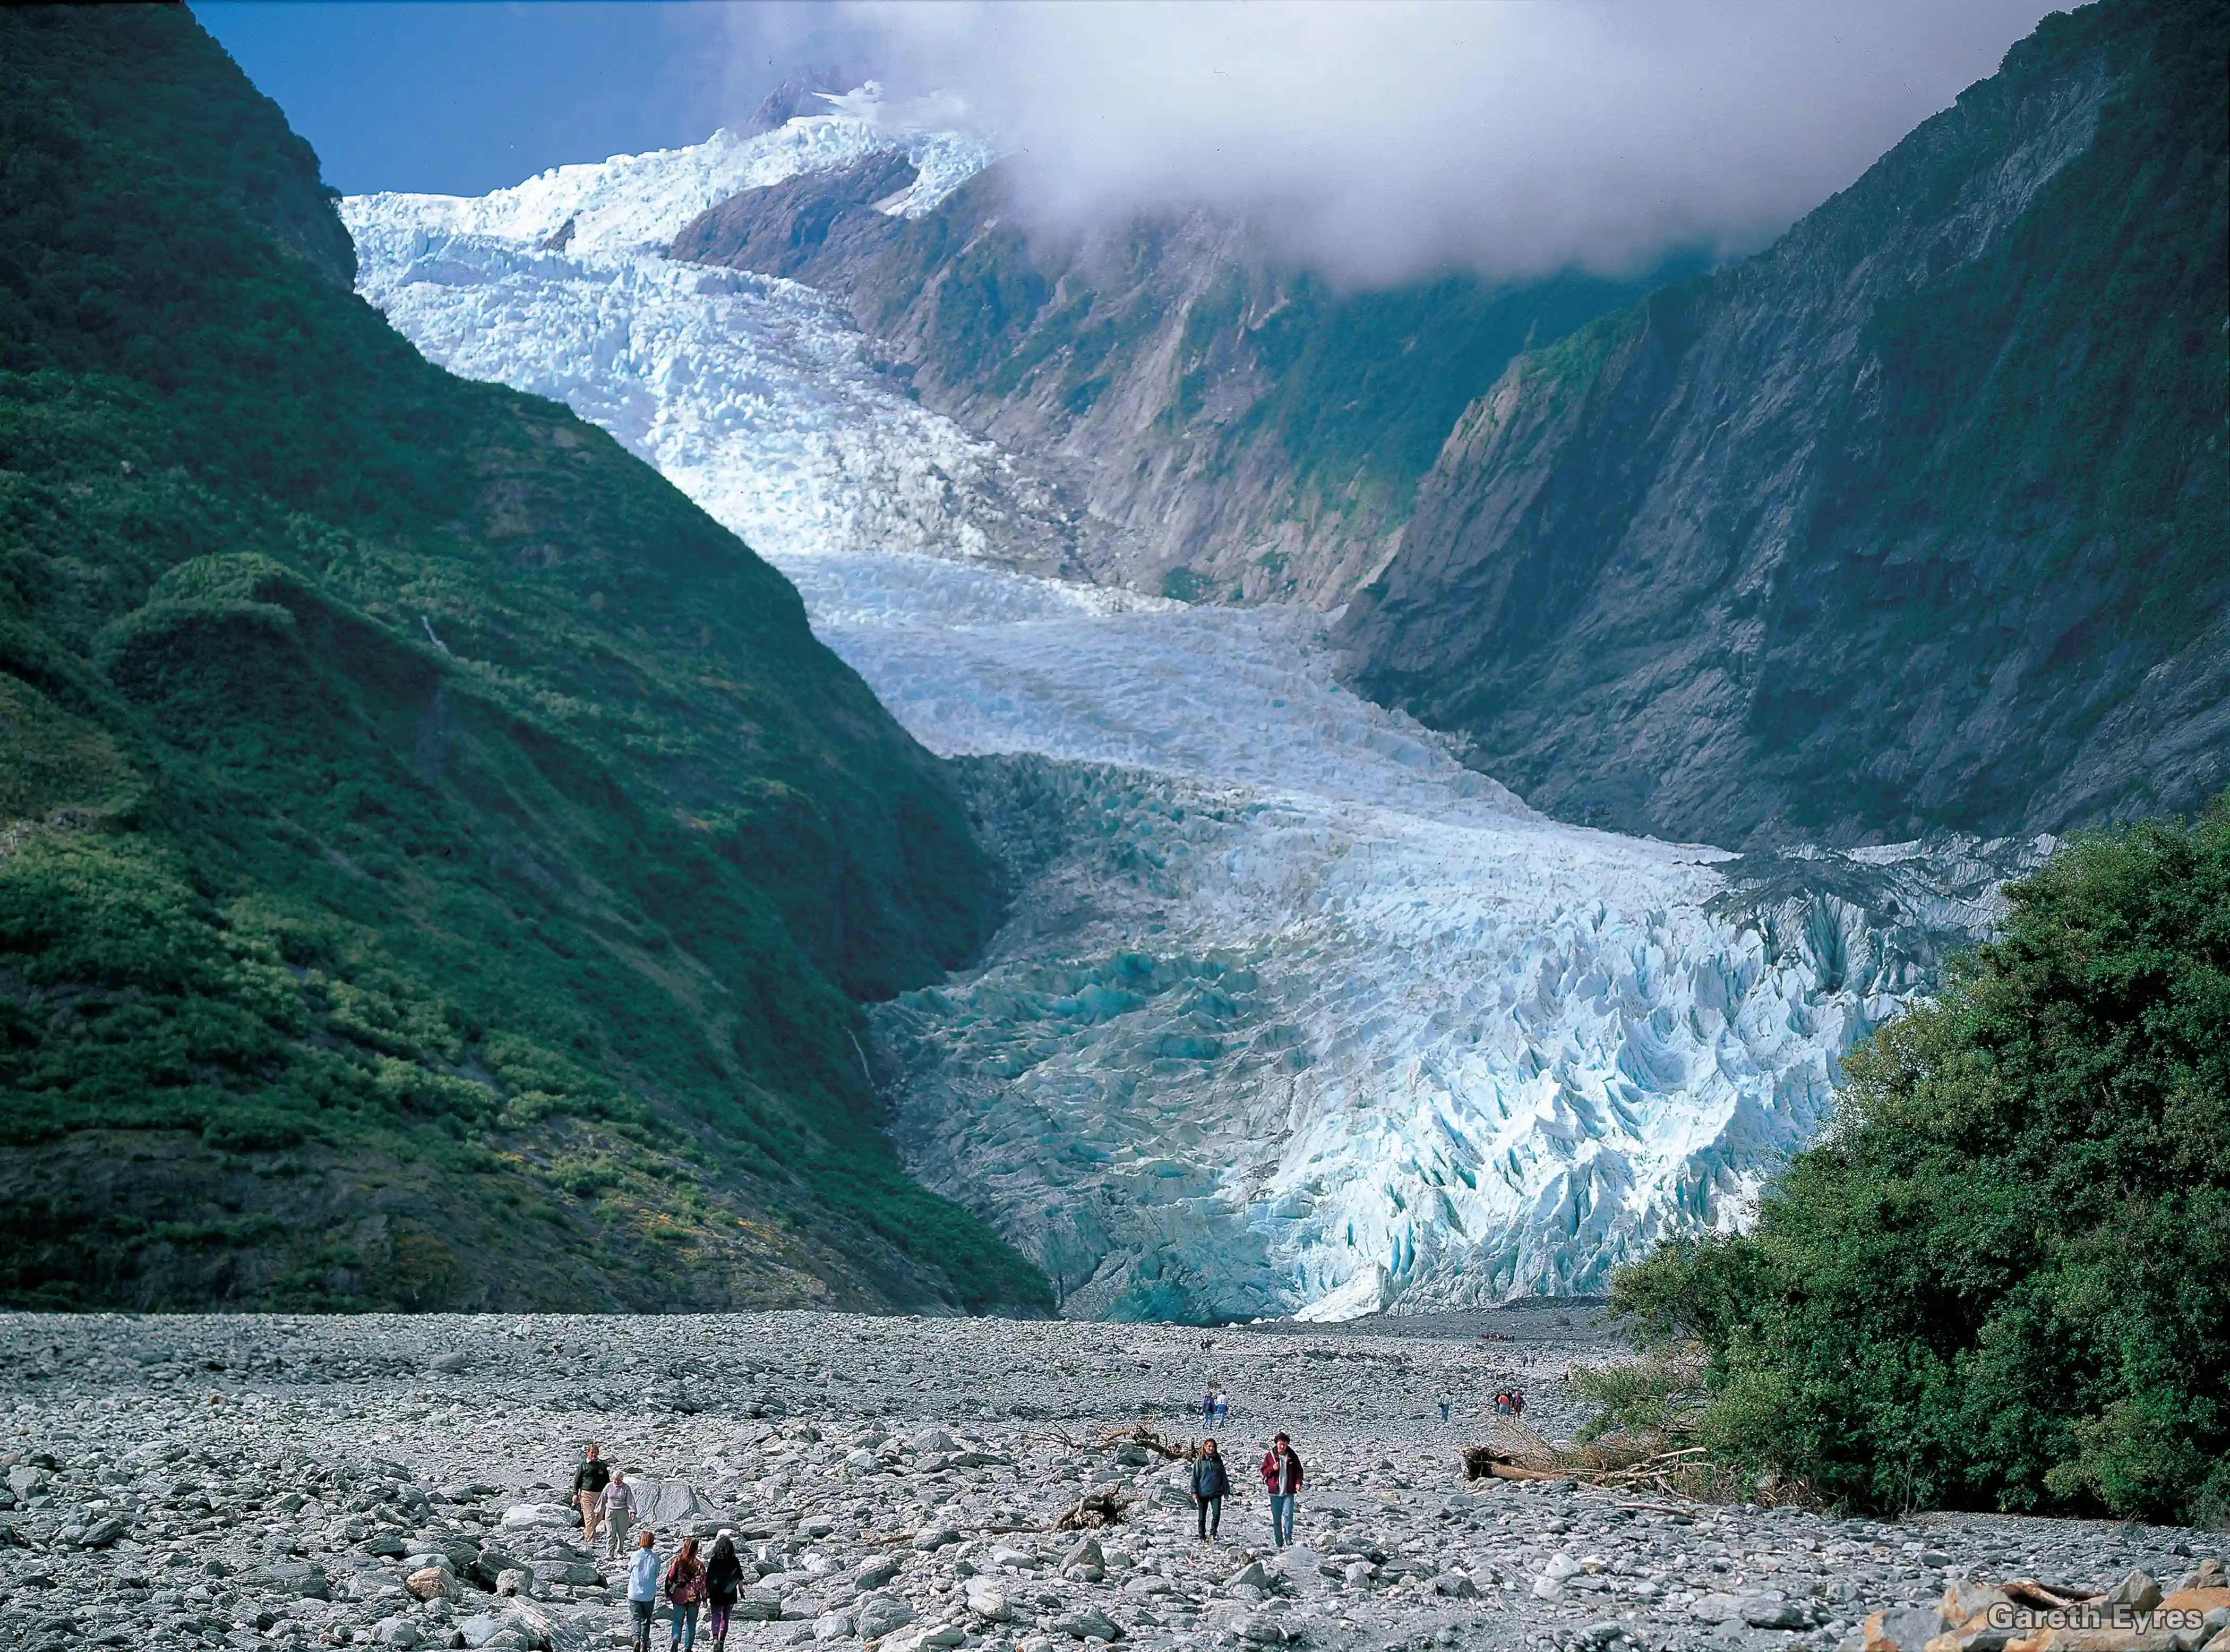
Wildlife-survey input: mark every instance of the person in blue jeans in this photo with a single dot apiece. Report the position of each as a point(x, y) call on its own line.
point(642, 1586)
point(1281, 1474)
point(685, 1588)
point(1209, 1484)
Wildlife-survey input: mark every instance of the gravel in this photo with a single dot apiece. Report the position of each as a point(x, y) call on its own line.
point(283, 1482)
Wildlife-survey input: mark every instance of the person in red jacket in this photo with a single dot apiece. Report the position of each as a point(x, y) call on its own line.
point(1281, 1473)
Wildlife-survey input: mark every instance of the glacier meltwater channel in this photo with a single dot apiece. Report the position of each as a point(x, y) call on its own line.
point(1291, 1011)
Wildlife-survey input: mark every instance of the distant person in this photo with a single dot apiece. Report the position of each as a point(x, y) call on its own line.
point(1518, 1404)
point(1210, 1483)
point(1223, 1407)
point(643, 1587)
point(685, 1591)
point(589, 1479)
point(1207, 1410)
point(724, 1581)
point(1444, 1409)
point(1281, 1472)
point(616, 1503)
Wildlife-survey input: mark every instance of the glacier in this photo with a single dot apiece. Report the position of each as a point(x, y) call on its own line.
point(1290, 1012)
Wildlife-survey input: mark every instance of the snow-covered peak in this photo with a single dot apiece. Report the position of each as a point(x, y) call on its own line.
point(632, 203)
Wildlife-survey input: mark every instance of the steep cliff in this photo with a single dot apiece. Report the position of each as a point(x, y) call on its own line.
point(1916, 519)
point(1226, 426)
point(437, 858)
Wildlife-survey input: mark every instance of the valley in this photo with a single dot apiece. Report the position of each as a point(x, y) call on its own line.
point(1291, 1010)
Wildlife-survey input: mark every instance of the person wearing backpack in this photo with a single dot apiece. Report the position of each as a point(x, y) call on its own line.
point(1209, 1484)
point(685, 1591)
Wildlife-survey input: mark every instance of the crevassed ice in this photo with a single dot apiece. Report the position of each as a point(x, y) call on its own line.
point(1292, 1012)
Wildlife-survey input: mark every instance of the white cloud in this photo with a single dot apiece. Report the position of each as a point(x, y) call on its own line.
point(1384, 139)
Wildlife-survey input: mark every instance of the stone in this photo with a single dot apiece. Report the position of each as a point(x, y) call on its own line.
point(987, 1601)
point(878, 1614)
point(432, 1583)
point(529, 1517)
point(831, 1626)
point(1089, 1624)
point(1904, 1628)
point(2207, 1574)
point(103, 1532)
point(1964, 1598)
point(512, 1580)
point(1718, 1607)
point(2138, 1591)
point(1762, 1612)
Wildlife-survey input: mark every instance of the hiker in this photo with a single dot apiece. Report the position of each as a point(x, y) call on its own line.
point(589, 1479)
point(685, 1587)
point(1281, 1472)
point(1208, 1407)
point(617, 1503)
point(724, 1581)
point(1209, 1484)
point(1223, 1407)
point(1517, 1404)
point(643, 1587)
point(1444, 1408)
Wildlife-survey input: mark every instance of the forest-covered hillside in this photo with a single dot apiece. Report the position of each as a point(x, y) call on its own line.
point(438, 862)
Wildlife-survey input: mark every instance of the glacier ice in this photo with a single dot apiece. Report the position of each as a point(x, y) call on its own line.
point(1291, 1011)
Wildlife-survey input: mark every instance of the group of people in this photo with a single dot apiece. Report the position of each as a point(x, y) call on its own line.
point(1281, 1478)
point(1509, 1402)
point(1214, 1407)
point(693, 1585)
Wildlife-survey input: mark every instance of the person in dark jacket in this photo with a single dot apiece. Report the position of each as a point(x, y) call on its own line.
point(724, 1581)
point(1281, 1472)
point(589, 1479)
point(1209, 1484)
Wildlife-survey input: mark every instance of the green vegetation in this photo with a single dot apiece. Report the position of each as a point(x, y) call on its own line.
point(2001, 1281)
point(435, 860)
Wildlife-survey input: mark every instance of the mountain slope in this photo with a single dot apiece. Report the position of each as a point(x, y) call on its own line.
point(1914, 521)
point(1228, 427)
point(437, 855)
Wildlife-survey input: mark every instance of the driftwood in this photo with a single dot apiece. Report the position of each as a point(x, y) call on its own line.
point(1101, 1508)
point(2027, 1591)
point(1144, 1433)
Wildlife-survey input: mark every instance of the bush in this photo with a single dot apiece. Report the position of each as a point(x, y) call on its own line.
point(1999, 1281)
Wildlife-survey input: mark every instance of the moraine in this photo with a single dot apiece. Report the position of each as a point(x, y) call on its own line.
point(1292, 1012)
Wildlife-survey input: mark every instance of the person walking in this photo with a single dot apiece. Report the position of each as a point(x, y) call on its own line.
point(724, 1581)
point(617, 1503)
point(1208, 1407)
point(1517, 1404)
point(1209, 1484)
point(643, 1587)
point(589, 1479)
point(1281, 1472)
point(1223, 1407)
point(685, 1592)
point(1444, 1408)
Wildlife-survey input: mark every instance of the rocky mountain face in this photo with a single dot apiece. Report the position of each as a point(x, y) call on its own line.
point(1224, 426)
point(438, 865)
point(1916, 519)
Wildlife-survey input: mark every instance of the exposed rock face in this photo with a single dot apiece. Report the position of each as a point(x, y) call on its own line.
point(1229, 426)
point(1916, 519)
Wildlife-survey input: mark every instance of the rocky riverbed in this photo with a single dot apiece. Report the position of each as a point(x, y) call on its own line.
point(273, 1482)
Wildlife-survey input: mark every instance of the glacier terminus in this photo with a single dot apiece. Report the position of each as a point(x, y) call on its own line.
point(1291, 1012)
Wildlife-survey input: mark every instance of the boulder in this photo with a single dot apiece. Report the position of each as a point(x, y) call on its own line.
point(1904, 1628)
point(432, 1583)
point(2138, 1591)
point(1089, 1624)
point(531, 1517)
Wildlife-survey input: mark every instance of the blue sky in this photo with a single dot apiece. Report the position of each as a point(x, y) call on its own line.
point(465, 99)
